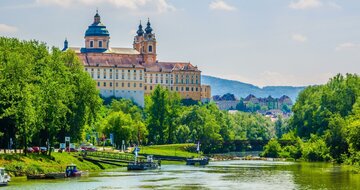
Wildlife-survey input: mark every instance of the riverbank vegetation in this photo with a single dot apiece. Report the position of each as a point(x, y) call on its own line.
point(325, 124)
point(20, 164)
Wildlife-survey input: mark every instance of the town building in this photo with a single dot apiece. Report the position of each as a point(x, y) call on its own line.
point(269, 102)
point(134, 72)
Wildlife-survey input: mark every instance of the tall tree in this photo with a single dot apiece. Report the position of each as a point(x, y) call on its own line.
point(157, 110)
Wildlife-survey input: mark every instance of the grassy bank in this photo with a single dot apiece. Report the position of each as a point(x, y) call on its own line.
point(19, 164)
point(181, 150)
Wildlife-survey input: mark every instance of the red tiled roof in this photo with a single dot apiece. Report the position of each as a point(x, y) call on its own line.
point(170, 66)
point(110, 60)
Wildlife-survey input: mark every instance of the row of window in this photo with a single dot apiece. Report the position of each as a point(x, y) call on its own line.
point(123, 91)
point(116, 70)
point(182, 81)
point(100, 43)
point(116, 76)
point(187, 89)
point(171, 75)
point(117, 84)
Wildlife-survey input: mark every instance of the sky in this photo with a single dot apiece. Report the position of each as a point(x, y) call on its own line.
point(262, 42)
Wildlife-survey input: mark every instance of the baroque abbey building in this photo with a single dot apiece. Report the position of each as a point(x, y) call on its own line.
point(133, 73)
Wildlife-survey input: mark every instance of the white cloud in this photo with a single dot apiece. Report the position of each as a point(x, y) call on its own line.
point(305, 4)
point(299, 38)
point(221, 5)
point(159, 6)
point(347, 46)
point(7, 29)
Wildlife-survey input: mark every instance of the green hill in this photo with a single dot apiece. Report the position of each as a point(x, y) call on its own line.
point(221, 86)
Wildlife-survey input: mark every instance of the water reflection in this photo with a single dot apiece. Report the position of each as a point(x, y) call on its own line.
point(217, 175)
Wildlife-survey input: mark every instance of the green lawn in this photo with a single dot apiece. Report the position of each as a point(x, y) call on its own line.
point(37, 163)
point(181, 150)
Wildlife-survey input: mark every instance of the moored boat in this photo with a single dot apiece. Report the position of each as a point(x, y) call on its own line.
point(143, 165)
point(197, 161)
point(55, 175)
point(71, 171)
point(4, 177)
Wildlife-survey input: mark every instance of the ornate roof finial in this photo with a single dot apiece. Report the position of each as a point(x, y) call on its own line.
point(66, 44)
point(97, 17)
point(140, 31)
point(148, 28)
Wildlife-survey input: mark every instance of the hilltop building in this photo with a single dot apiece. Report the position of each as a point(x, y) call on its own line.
point(134, 72)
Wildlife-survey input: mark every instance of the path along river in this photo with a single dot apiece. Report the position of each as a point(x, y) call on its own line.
point(235, 174)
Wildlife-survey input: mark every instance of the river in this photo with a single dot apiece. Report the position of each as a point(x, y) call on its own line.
point(236, 174)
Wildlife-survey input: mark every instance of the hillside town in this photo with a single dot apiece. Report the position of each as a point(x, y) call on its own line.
point(269, 106)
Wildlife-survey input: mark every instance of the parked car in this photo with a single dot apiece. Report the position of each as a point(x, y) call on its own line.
point(29, 150)
point(36, 149)
point(88, 147)
point(43, 149)
point(71, 150)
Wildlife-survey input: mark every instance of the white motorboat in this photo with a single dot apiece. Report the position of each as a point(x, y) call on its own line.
point(4, 177)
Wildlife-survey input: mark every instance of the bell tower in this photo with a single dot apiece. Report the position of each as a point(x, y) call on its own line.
point(145, 43)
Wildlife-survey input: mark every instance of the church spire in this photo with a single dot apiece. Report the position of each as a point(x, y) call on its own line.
point(140, 31)
point(148, 28)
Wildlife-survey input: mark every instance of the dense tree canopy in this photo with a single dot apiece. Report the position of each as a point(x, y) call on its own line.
point(327, 118)
point(44, 95)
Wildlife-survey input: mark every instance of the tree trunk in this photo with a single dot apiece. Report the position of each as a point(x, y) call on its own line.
point(25, 144)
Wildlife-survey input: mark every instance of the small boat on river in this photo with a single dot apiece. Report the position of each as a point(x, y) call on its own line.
point(149, 163)
point(71, 171)
point(4, 177)
point(197, 161)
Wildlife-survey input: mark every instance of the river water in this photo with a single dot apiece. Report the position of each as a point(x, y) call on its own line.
point(237, 174)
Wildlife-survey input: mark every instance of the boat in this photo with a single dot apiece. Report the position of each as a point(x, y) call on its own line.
point(4, 177)
point(55, 175)
point(197, 161)
point(71, 171)
point(36, 176)
point(143, 164)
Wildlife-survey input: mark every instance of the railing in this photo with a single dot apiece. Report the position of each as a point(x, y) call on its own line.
point(111, 155)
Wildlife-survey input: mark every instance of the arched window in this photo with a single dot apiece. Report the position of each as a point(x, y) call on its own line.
point(91, 43)
point(100, 44)
point(150, 49)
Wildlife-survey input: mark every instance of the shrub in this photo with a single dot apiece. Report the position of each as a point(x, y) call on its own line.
point(316, 150)
point(272, 149)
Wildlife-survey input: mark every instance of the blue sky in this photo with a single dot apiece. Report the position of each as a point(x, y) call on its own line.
point(263, 42)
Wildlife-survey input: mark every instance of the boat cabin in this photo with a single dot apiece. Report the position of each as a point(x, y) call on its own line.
point(71, 171)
